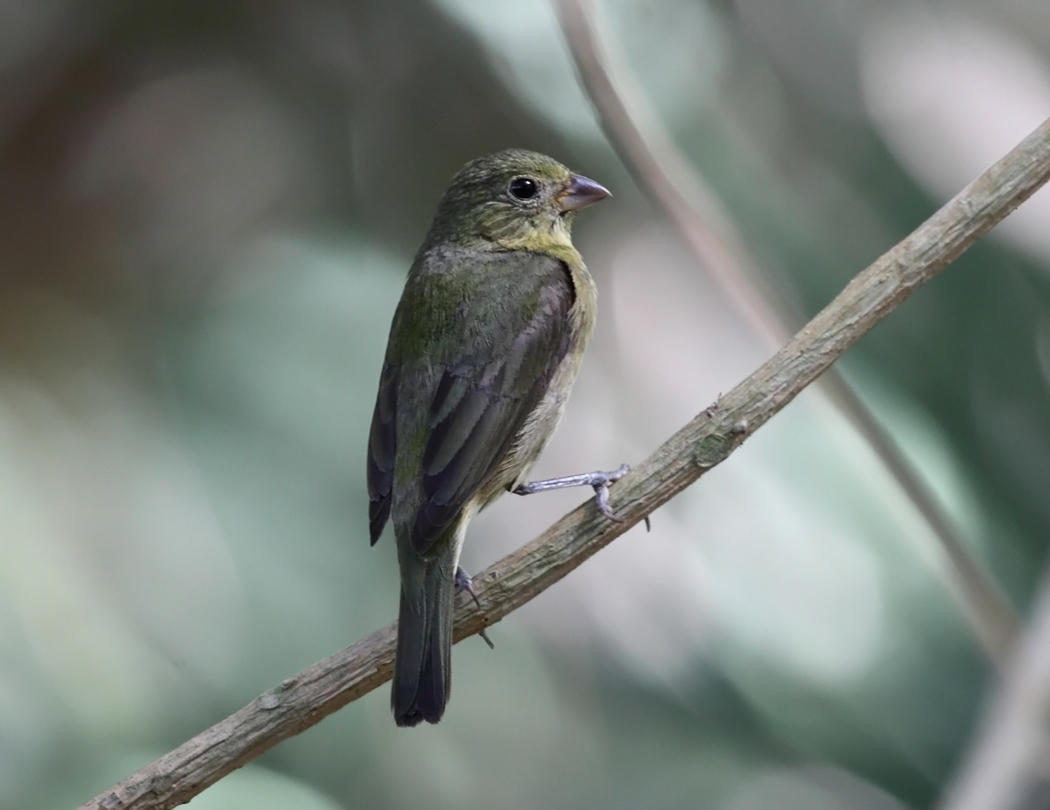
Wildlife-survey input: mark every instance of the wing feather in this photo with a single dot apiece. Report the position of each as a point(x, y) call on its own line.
point(381, 450)
point(477, 398)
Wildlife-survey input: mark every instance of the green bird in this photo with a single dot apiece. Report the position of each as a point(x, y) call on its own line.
point(484, 347)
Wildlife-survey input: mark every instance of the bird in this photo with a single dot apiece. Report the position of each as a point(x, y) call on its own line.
point(485, 344)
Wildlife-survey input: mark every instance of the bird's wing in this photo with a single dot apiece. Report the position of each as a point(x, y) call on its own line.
point(381, 449)
point(477, 389)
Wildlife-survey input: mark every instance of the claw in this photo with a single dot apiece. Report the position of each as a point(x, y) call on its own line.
point(601, 498)
point(464, 582)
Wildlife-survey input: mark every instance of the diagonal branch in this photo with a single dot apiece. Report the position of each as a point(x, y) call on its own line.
point(668, 179)
point(707, 440)
point(1006, 764)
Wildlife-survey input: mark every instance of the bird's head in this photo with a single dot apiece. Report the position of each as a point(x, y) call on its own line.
point(515, 200)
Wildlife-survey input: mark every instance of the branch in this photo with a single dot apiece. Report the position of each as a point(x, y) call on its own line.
point(303, 700)
point(668, 179)
point(1007, 764)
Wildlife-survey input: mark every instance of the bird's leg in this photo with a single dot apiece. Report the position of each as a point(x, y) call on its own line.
point(464, 582)
point(598, 480)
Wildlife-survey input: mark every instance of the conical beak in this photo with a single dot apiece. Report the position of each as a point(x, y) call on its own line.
point(581, 191)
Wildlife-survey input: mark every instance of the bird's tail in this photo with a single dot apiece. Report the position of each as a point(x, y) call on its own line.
point(422, 669)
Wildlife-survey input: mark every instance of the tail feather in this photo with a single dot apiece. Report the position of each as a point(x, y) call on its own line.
point(423, 667)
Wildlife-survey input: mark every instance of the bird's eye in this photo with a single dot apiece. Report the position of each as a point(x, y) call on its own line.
point(523, 188)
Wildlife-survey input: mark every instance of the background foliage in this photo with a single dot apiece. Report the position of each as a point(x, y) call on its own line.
point(208, 211)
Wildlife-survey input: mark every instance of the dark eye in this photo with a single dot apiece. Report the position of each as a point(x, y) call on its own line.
point(523, 188)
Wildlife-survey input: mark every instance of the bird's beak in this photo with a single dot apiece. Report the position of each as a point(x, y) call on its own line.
point(581, 191)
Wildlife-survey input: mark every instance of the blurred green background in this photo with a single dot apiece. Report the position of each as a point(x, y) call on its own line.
point(208, 212)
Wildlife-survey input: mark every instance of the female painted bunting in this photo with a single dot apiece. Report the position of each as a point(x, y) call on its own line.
point(484, 347)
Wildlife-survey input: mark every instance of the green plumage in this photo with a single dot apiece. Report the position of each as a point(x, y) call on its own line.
point(484, 347)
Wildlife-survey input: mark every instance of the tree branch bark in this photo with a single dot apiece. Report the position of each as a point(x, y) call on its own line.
point(707, 440)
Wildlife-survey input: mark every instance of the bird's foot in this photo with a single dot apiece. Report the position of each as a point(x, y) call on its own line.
point(464, 582)
point(598, 480)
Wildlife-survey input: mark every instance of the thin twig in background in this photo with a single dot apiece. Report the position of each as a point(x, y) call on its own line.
point(1008, 767)
point(707, 440)
point(665, 175)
